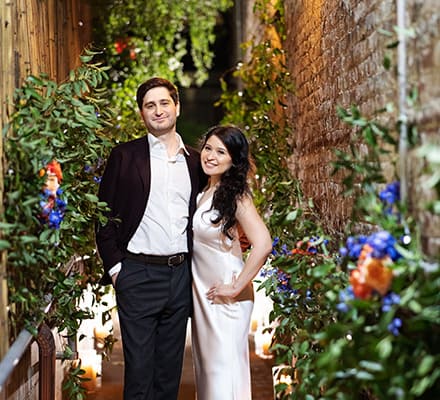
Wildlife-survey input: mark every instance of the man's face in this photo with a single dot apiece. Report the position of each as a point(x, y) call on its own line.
point(159, 112)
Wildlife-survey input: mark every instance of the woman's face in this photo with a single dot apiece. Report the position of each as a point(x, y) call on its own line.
point(215, 158)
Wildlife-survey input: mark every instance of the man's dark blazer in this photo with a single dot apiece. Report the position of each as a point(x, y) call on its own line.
point(125, 187)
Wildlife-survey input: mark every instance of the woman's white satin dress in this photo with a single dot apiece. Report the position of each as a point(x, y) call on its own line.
point(219, 331)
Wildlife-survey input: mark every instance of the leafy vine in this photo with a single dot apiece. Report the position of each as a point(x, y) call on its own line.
point(49, 236)
point(155, 38)
point(358, 322)
point(259, 106)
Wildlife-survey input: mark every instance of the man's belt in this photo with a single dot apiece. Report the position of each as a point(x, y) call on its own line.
point(171, 261)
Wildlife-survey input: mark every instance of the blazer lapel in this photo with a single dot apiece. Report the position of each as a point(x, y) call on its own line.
point(191, 162)
point(142, 162)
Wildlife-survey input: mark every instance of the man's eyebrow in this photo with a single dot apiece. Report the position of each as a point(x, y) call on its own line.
point(159, 101)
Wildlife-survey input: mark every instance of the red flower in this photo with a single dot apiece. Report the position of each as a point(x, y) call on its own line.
point(54, 168)
point(121, 45)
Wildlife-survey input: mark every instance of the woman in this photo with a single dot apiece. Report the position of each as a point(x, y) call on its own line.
point(222, 281)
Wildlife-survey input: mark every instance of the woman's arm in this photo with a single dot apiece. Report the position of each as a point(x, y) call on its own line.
point(261, 246)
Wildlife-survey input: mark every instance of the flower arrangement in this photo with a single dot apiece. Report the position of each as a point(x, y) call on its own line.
point(296, 277)
point(276, 271)
point(364, 323)
point(383, 341)
point(52, 206)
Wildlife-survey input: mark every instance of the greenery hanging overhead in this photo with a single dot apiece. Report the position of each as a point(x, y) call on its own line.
point(156, 38)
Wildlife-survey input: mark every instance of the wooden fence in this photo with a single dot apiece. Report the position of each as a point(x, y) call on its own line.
point(36, 36)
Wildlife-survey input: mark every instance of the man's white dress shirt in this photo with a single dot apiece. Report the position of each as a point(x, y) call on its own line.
point(162, 230)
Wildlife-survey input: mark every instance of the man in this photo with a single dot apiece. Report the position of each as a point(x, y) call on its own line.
point(150, 185)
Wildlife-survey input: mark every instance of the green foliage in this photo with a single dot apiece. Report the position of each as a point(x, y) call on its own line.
point(72, 386)
point(155, 38)
point(363, 164)
point(258, 106)
point(372, 358)
point(299, 280)
point(341, 346)
point(66, 122)
point(430, 152)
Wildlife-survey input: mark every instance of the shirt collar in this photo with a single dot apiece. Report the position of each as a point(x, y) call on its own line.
point(181, 145)
point(153, 141)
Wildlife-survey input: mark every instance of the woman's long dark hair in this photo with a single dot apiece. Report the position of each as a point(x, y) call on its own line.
point(234, 182)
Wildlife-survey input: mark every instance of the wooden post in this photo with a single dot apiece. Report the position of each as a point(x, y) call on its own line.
point(6, 90)
point(47, 357)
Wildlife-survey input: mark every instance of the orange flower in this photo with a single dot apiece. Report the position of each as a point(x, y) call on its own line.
point(299, 251)
point(376, 274)
point(360, 288)
point(366, 251)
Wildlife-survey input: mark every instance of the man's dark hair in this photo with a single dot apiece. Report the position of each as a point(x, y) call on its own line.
point(156, 82)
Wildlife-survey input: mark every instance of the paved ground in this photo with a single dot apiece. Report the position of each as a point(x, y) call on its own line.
point(109, 385)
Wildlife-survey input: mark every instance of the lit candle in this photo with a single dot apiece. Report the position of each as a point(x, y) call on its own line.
point(254, 325)
point(100, 334)
point(263, 341)
point(90, 374)
point(266, 345)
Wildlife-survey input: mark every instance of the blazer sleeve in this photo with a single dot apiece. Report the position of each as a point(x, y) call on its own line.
point(107, 235)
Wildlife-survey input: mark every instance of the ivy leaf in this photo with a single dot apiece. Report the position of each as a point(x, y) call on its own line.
point(91, 197)
point(4, 244)
point(384, 348)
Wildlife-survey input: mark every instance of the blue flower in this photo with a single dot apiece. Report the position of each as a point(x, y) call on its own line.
point(346, 294)
point(393, 253)
point(391, 194)
point(55, 218)
point(344, 297)
point(355, 251)
point(312, 250)
point(389, 300)
point(382, 243)
point(394, 326)
point(284, 283)
point(274, 243)
point(268, 271)
point(343, 251)
point(353, 247)
point(52, 208)
point(342, 307)
point(60, 203)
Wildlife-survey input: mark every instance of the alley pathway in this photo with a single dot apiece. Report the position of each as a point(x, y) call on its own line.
point(109, 385)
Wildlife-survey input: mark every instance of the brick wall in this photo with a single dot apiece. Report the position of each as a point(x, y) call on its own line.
point(335, 54)
point(424, 73)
